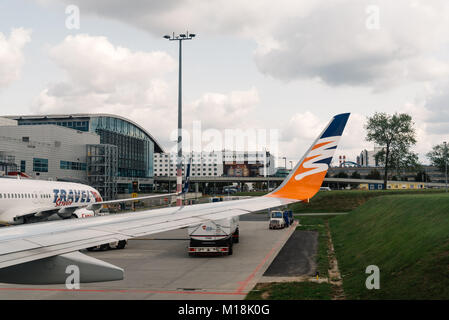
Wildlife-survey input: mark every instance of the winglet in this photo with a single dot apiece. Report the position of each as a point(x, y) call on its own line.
point(305, 180)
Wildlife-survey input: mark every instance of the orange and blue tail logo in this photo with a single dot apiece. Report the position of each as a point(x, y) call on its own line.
point(306, 178)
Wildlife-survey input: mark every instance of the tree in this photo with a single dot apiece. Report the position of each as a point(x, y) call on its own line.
point(396, 135)
point(438, 156)
point(402, 160)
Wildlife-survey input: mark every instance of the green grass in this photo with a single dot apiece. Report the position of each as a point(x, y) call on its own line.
point(347, 200)
point(291, 291)
point(406, 236)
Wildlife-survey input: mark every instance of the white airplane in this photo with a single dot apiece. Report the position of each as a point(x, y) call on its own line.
point(39, 253)
point(27, 200)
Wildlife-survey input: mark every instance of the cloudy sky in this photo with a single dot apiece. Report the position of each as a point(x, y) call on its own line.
point(285, 66)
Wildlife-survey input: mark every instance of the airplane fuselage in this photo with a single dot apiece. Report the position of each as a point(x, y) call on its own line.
point(22, 198)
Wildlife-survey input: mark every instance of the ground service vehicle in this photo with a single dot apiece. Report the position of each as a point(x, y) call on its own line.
point(214, 237)
point(277, 220)
point(288, 217)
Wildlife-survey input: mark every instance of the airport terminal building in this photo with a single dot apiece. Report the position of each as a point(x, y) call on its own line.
point(106, 151)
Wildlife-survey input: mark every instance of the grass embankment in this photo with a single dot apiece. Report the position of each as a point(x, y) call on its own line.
point(341, 200)
point(406, 236)
point(301, 290)
point(347, 200)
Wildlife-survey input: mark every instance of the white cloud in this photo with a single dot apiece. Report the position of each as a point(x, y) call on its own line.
point(323, 40)
point(224, 111)
point(333, 45)
point(103, 78)
point(11, 55)
point(96, 64)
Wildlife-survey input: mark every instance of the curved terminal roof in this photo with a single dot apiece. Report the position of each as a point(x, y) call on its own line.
point(157, 147)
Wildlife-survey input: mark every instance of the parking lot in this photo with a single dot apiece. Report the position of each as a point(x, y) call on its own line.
point(158, 267)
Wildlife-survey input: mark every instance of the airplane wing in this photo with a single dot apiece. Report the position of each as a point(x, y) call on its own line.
point(45, 249)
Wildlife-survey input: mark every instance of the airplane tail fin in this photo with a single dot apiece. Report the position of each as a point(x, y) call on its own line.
point(305, 180)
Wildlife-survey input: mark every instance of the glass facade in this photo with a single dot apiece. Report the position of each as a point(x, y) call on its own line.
point(135, 147)
point(77, 124)
point(69, 165)
point(40, 165)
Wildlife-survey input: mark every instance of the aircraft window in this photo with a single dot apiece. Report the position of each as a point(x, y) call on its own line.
point(0, 195)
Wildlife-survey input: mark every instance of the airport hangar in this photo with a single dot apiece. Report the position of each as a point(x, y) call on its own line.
point(111, 153)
